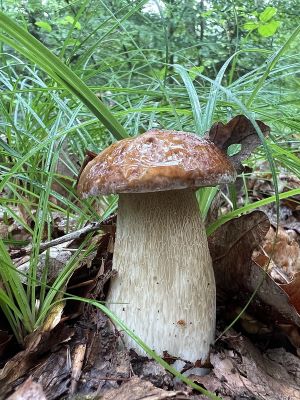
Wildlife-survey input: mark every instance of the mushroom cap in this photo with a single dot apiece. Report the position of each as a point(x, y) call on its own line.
point(157, 160)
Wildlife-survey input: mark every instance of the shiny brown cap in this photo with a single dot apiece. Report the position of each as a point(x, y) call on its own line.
point(157, 160)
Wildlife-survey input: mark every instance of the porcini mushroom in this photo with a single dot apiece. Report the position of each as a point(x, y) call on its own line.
point(165, 277)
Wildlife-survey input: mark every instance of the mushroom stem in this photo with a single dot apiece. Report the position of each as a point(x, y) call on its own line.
point(165, 274)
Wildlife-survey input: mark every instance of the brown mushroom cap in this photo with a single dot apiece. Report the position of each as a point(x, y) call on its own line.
point(157, 160)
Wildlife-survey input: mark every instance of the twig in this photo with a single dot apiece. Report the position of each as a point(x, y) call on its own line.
point(78, 359)
point(113, 379)
point(106, 225)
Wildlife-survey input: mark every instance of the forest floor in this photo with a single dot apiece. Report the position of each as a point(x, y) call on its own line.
point(81, 355)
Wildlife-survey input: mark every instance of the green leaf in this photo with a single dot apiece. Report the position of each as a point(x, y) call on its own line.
point(70, 20)
point(44, 25)
point(207, 13)
point(268, 29)
point(234, 149)
point(194, 71)
point(267, 14)
point(249, 26)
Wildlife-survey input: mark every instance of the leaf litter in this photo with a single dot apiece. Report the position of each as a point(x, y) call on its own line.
point(81, 353)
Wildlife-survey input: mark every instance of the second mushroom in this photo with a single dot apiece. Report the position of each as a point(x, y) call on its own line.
point(165, 278)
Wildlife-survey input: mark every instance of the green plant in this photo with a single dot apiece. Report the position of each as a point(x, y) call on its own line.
point(263, 22)
point(50, 112)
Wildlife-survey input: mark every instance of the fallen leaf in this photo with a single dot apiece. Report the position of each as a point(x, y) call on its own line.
point(284, 252)
point(77, 364)
point(237, 276)
point(293, 291)
point(137, 389)
point(105, 364)
point(55, 261)
point(29, 390)
point(37, 344)
point(242, 371)
point(231, 247)
point(150, 370)
point(239, 130)
point(89, 156)
point(53, 373)
point(274, 304)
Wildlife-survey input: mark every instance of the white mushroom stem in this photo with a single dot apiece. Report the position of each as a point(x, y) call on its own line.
point(165, 274)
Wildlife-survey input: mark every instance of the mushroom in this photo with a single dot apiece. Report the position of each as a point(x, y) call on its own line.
point(165, 278)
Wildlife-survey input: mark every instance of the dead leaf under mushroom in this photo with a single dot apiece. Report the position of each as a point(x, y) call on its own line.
point(137, 389)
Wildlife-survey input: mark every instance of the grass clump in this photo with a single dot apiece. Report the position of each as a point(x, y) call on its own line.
point(54, 107)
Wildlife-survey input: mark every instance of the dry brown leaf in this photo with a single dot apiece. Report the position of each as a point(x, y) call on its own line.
point(53, 373)
point(55, 260)
point(284, 270)
point(37, 344)
point(239, 130)
point(151, 371)
point(284, 251)
point(274, 302)
point(29, 390)
point(293, 291)
point(89, 156)
point(105, 364)
point(137, 389)
point(241, 371)
point(236, 275)
point(89, 363)
point(231, 247)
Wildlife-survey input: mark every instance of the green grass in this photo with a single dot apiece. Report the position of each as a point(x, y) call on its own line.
point(51, 114)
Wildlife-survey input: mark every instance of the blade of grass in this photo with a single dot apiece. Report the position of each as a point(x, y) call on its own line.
point(131, 12)
point(31, 48)
point(194, 100)
point(249, 115)
point(14, 288)
point(76, 19)
point(271, 64)
point(249, 207)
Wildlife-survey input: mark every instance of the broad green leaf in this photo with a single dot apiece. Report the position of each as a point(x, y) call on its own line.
point(234, 149)
point(268, 29)
point(205, 14)
point(44, 25)
point(267, 14)
point(249, 26)
point(194, 71)
point(70, 20)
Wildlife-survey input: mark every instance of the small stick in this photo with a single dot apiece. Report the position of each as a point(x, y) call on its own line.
point(95, 226)
point(78, 359)
point(113, 379)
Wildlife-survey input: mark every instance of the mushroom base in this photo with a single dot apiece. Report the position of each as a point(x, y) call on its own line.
point(165, 277)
